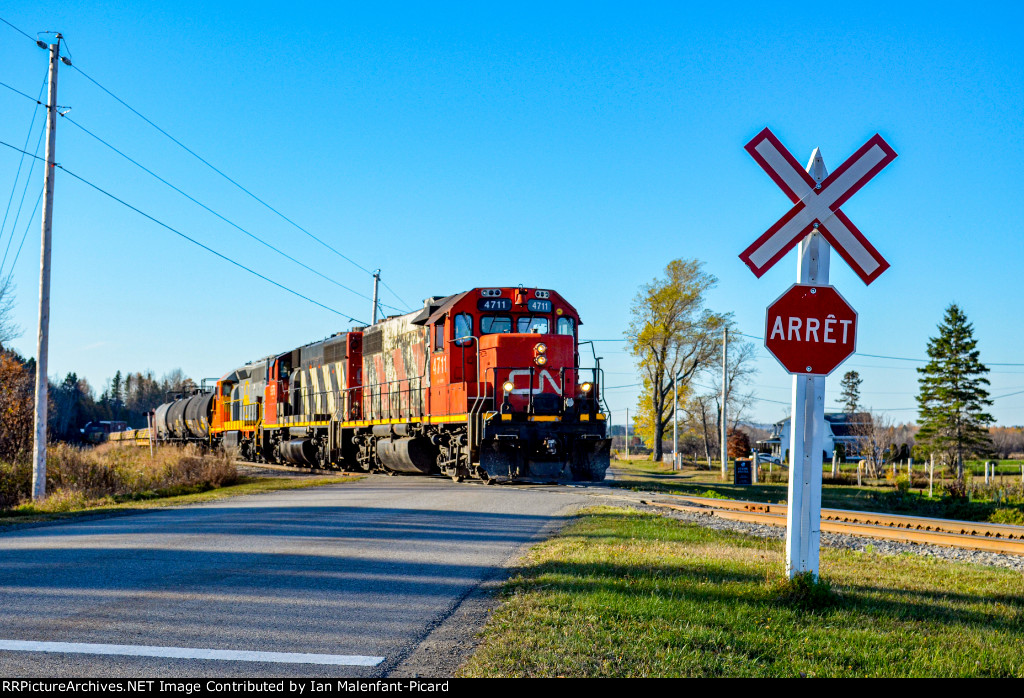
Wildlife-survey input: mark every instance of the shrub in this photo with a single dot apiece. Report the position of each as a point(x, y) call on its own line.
point(1007, 515)
point(15, 482)
point(804, 591)
point(956, 490)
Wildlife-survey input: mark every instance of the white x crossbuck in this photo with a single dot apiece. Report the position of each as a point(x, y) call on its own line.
point(816, 207)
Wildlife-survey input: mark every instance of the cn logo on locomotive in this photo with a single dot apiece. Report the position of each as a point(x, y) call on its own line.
point(541, 377)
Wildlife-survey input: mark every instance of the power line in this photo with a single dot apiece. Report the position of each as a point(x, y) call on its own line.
point(400, 300)
point(25, 34)
point(894, 358)
point(28, 226)
point(215, 213)
point(218, 171)
point(26, 96)
point(190, 239)
point(28, 180)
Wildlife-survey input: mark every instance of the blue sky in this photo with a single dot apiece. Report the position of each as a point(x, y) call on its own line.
point(578, 147)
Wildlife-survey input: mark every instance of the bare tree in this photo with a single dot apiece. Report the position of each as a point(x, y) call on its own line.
point(740, 368)
point(8, 330)
point(700, 420)
point(878, 436)
point(1008, 442)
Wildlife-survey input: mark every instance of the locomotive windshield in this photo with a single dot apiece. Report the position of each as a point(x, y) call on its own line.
point(495, 324)
point(463, 329)
point(537, 324)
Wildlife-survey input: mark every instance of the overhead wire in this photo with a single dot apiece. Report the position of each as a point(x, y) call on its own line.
point(190, 239)
point(24, 192)
point(23, 33)
point(26, 96)
point(218, 215)
point(28, 226)
point(21, 162)
point(893, 358)
point(224, 175)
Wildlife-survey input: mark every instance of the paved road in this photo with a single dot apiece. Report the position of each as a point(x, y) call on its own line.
point(364, 569)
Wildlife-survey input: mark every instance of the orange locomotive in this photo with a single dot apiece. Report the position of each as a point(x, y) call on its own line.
point(482, 384)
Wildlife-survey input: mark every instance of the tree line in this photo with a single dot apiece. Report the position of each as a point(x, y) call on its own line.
point(677, 343)
point(73, 403)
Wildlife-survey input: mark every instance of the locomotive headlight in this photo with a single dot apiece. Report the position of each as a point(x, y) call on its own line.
point(540, 348)
point(507, 386)
point(540, 360)
point(586, 387)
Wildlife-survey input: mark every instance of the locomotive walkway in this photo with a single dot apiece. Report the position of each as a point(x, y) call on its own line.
point(348, 580)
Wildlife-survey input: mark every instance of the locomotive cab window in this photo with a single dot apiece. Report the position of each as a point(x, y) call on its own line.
point(495, 324)
point(566, 325)
point(439, 336)
point(536, 324)
point(463, 329)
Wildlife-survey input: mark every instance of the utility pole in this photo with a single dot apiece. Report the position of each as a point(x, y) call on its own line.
point(39, 443)
point(725, 392)
point(376, 281)
point(627, 433)
point(675, 423)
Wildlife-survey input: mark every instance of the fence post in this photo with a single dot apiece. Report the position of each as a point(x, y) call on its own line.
point(860, 468)
point(931, 475)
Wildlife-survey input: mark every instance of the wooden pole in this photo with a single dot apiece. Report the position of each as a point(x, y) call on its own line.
point(627, 433)
point(675, 425)
point(725, 393)
point(376, 281)
point(43, 340)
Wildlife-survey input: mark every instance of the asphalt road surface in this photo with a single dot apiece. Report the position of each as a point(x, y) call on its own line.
point(343, 580)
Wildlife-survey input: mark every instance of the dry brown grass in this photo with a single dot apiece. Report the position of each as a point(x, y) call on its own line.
point(81, 477)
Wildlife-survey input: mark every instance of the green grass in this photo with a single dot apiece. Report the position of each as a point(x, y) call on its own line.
point(177, 496)
point(624, 594)
point(874, 495)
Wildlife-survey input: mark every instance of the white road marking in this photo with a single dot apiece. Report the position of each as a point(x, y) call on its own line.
point(190, 653)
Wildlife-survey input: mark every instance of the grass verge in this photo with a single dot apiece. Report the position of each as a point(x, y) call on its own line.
point(625, 594)
point(29, 513)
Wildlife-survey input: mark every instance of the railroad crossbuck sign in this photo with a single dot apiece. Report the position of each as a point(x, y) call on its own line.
point(810, 329)
point(816, 206)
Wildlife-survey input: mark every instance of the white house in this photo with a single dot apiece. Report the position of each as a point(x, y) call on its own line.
point(840, 428)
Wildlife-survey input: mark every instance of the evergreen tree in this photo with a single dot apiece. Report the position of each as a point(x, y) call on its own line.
point(952, 394)
point(850, 396)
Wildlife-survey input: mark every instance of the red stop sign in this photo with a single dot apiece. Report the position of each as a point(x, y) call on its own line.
point(810, 329)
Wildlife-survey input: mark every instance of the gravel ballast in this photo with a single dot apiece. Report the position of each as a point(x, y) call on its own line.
point(856, 543)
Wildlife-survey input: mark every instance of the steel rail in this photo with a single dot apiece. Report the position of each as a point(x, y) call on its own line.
point(913, 529)
point(916, 523)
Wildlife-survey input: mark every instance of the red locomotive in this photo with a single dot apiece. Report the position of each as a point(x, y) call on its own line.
point(482, 384)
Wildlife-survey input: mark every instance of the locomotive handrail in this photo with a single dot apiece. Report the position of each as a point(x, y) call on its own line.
point(477, 398)
point(596, 372)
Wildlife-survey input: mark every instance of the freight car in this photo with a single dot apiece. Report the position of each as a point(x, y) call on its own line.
point(484, 384)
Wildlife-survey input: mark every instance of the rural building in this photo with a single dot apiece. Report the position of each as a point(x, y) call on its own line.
point(850, 430)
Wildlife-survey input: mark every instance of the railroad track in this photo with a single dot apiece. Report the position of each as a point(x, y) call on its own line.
point(294, 469)
point(972, 535)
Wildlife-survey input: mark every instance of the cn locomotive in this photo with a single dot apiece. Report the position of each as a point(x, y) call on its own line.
point(485, 384)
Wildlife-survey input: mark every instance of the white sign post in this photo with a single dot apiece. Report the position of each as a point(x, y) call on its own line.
point(807, 426)
point(816, 224)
